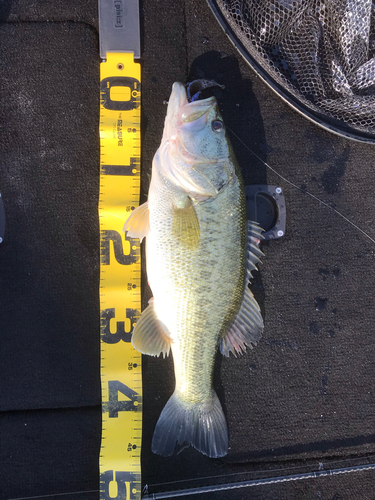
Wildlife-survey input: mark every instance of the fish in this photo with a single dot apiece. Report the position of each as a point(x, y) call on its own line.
point(200, 252)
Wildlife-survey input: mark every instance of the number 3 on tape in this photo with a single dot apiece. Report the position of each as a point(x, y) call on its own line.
point(120, 278)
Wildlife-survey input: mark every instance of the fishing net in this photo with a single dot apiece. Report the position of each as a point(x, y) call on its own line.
point(317, 54)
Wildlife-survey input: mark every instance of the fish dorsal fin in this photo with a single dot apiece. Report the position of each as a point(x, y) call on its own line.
point(185, 224)
point(137, 224)
point(246, 328)
point(150, 336)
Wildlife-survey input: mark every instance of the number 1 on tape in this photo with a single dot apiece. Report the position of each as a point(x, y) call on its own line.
point(120, 278)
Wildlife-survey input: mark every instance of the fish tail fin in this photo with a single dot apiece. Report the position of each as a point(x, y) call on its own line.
point(201, 425)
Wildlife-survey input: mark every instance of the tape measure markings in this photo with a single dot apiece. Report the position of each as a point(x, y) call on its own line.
point(120, 278)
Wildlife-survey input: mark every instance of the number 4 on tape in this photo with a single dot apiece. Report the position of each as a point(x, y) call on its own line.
point(113, 405)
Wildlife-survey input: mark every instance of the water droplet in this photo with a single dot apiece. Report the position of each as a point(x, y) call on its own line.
point(314, 328)
point(320, 303)
point(336, 272)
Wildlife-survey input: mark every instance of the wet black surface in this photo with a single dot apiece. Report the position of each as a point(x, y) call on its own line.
point(304, 395)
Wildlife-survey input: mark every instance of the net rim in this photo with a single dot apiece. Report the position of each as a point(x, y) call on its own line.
point(328, 123)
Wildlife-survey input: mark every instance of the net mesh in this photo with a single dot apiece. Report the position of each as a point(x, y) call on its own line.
point(320, 51)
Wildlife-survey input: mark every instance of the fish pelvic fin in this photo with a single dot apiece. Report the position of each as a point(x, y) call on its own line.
point(201, 425)
point(137, 224)
point(150, 335)
point(247, 327)
point(185, 224)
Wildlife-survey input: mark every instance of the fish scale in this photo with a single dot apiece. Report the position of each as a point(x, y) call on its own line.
point(195, 334)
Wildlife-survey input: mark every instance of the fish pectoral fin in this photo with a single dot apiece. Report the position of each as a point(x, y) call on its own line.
point(185, 224)
point(151, 336)
point(137, 224)
point(246, 329)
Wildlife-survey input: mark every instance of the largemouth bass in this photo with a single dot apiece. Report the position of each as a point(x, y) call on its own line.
point(200, 251)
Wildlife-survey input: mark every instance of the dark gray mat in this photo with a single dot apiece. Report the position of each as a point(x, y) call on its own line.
point(49, 185)
point(304, 395)
point(50, 452)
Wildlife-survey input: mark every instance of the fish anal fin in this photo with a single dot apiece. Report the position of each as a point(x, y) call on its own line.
point(151, 336)
point(185, 224)
point(137, 224)
point(246, 328)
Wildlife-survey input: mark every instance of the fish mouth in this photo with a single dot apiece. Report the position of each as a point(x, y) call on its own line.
point(193, 117)
point(200, 176)
point(192, 111)
point(181, 111)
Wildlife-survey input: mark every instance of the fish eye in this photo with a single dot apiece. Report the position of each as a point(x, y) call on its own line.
point(217, 125)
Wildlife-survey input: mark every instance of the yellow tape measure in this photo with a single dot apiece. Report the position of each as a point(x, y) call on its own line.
point(120, 278)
